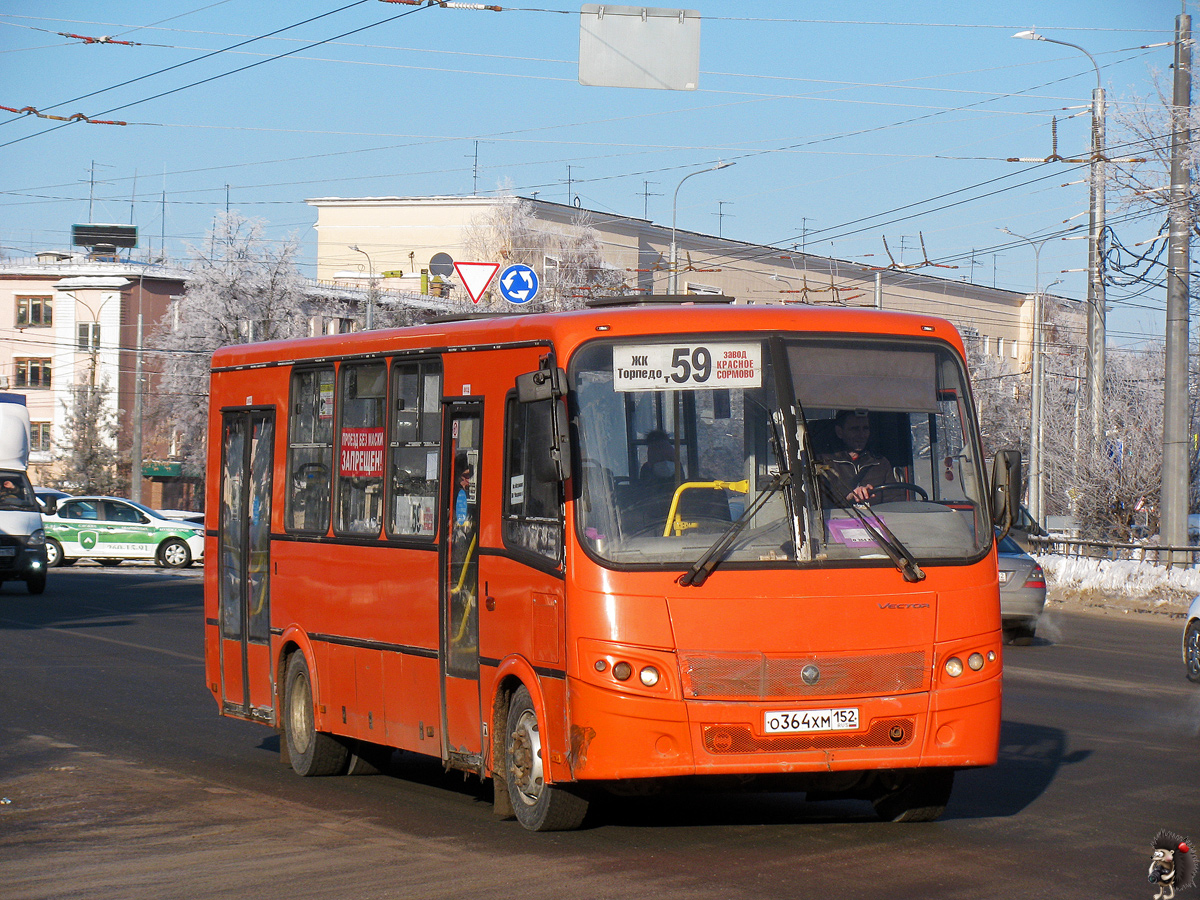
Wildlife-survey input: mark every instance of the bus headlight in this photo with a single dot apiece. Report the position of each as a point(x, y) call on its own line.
point(622, 671)
point(954, 667)
point(975, 661)
point(37, 539)
point(649, 676)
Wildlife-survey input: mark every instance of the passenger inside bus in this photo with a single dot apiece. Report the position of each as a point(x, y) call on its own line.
point(463, 560)
point(854, 473)
point(660, 458)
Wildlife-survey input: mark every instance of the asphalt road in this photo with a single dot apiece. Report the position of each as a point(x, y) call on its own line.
point(119, 780)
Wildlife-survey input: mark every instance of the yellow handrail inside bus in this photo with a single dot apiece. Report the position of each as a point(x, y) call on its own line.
point(741, 487)
point(462, 577)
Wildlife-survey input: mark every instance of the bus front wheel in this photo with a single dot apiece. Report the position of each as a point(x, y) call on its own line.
point(916, 795)
point(312, 752)
point(537, 805)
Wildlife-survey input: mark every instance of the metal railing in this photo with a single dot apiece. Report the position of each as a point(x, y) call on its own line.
point(1185, 556)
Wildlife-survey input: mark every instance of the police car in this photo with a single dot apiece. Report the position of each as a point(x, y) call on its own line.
point(109, 530)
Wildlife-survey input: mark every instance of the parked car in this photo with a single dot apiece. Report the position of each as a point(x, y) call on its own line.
point(49, 498)
point(111, 529)
point(1191, 641)
point(1022, 591)
point(183, 515)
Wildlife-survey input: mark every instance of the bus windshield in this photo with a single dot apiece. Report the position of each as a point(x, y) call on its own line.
point(677, 439)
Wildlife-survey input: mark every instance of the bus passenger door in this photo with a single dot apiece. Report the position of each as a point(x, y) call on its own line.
point(247, 451)
point(461, 719)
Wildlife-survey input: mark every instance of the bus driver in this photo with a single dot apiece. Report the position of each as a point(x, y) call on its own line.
point(854, 471)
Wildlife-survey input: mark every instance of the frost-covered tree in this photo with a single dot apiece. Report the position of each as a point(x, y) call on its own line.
point(1001, 401)
point(88, 456)
point(568, 259)
point(243, 288)
point(1142, 128)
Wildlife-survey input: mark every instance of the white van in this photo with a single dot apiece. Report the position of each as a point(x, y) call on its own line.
point(22, 540)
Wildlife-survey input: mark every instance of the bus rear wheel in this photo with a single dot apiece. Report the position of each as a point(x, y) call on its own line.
point(312, 752)
point(537, 805)
point(917, 795)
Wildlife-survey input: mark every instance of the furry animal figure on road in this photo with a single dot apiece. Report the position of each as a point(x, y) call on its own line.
point(1173, 864)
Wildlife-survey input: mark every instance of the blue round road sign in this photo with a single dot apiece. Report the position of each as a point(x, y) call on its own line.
point(518, 284)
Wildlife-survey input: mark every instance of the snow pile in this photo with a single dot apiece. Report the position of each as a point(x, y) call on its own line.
point(1073, 577)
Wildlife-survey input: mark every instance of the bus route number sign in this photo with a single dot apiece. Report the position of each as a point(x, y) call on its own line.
point(687, 367)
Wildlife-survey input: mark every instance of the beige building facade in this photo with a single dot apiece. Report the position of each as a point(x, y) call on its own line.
point(403, 242)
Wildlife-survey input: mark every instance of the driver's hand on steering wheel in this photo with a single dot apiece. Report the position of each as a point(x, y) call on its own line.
point(861, 494)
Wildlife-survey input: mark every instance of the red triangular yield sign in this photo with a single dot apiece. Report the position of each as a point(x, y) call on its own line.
point(476, 277)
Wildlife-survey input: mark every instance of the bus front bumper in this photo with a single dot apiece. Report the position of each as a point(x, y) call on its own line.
point(629, 736)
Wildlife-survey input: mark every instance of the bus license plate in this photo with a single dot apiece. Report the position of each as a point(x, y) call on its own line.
point(798, 720)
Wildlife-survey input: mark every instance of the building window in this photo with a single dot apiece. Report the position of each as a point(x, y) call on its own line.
point(35, 312)
point(87, 336)
point(39, 437)
point(32, 373)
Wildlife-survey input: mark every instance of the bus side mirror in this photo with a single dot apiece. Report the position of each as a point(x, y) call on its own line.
point(549, 383)
point(1006, 489)
point(544, 384)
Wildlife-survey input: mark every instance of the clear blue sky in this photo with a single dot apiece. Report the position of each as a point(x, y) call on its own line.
point(850, 122)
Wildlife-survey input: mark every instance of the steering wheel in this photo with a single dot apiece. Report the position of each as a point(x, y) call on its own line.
point(903, 485)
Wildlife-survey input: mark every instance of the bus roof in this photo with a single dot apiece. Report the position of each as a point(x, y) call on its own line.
point(567, 330)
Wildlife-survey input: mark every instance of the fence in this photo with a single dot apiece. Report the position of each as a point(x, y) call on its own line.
point(1163, 555)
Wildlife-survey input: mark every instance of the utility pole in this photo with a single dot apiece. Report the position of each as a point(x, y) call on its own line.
point(1097, 312)
point(1037, 385)
point(1174, 501)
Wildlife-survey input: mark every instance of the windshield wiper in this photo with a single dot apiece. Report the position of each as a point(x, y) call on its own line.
point(900, 555)
point(711, 558)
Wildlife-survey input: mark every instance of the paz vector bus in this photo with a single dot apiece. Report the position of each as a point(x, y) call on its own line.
point(569, 551)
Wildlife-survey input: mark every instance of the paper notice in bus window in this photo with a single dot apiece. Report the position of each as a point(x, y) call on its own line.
point(325, 409)
point(361, 453)
point(516, 490)
point(687, 366)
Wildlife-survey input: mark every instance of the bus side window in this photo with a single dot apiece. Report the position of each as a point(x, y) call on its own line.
point(360, 449)
point(310, 450)
point(414, 448)
point(533, 519)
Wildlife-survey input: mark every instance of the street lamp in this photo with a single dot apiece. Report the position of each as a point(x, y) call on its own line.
point(1095, 311)
point(370, 286)
point(1037, 391)
point(674, 208)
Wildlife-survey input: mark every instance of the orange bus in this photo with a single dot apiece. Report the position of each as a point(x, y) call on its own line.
point(564, 551)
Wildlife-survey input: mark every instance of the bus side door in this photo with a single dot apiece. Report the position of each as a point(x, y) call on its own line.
point(247, 452)
point(461, 716)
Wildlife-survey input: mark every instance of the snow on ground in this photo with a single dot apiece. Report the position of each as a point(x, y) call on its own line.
point(1126, 583)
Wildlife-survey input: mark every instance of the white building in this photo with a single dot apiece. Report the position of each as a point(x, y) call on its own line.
point(67, 319)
